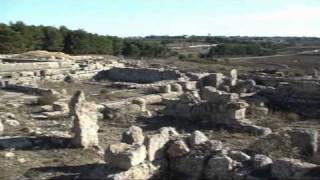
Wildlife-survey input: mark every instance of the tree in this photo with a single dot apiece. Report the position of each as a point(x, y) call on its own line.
point(10, 41)
point(77, 42)
point(53, 40)
point(18, 37)
point(25, 32)
point(131, 49)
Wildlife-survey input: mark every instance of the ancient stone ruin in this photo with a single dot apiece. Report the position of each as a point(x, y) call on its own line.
point(114, 119)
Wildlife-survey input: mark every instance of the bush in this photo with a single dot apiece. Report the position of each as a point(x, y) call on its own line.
point(103, 91)
point(182, 57)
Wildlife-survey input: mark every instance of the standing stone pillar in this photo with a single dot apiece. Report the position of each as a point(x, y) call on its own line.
point(142, 103)
point(85, 121)
point(233, 77)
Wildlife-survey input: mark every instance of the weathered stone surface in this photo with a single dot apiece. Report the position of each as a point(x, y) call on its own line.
point(169, 132)
point(125, 156)
point(142, 171)
point(7, 116)
point(304, 139)
point(139, 75)
point(142, 103)
point(234, 74)
point(189, 85)
point(190, 97)
point(188, 167)
point(218, 167)
point(134, 135)
point(84, 116)
point(165, 89)
point(213, 79)
point(214, 145)
point(1, 127)
point(260, 160)
point(196, 138)
point(177, 148)
point(60, 106)
point(11, 122)
point(211, 94)
point(257, 130)
point(239, 156)
point(286, 168)
point(156, 143)
point(176, 87)
point(46, 108)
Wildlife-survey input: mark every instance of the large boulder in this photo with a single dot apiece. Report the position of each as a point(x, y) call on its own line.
point(286, 168)
point(218, 167)
point(196, 138)
point(85, 118)
point(125, 156)
point(156, 143)
point(239, 156)
point(177, 148)
point(304, 139)
point(260, 160)
point(134, 135)
point(188, 167)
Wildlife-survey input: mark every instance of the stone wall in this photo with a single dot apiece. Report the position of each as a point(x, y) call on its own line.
point(170, 155)
point(52, 71)
point(138, 75)
point(16, 67)
point(212, 108)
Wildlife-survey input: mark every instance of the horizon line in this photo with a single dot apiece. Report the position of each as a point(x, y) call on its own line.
point(171, 35)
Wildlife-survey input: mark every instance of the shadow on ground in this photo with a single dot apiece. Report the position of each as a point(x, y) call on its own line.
point(88, 171)
point(157, 122)
point(34, 143)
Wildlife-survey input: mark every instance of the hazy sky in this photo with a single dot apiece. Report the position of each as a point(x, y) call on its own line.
point(171, 17)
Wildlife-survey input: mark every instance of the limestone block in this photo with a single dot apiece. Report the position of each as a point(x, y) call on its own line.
point(85, 117)
point(125, 156)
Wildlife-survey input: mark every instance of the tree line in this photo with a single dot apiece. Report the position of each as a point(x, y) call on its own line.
point(19, 37)
point(249, 49)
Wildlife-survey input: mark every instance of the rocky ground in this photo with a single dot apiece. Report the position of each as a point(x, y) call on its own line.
point(36, 140)
point(55, 160)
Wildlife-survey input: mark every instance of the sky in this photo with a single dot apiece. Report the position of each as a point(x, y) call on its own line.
point(171, 17)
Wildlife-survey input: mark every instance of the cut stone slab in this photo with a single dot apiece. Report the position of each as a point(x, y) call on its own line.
point(125, 156)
